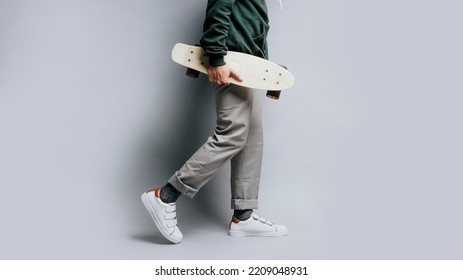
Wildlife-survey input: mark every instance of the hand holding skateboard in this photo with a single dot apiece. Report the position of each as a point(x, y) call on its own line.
point(221, 75)
point(256, 72)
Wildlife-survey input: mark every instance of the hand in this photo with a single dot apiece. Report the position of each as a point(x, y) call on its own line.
point(220, 75)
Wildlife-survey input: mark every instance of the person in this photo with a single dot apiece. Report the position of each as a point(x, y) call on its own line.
point(235, 25)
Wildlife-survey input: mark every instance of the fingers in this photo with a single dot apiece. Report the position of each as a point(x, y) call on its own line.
point(220, 75)
point(213, 75)
point(235, 75)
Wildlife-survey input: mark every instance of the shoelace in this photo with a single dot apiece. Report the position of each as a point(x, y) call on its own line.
point(171, 216)
point(262, 220)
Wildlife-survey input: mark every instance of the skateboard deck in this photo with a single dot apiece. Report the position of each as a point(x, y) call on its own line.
point(257, 72)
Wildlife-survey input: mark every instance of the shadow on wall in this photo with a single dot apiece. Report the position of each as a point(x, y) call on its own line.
point(180, 126)
point(187, 122)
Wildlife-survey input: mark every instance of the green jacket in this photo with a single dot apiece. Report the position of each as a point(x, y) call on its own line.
point(235, 25)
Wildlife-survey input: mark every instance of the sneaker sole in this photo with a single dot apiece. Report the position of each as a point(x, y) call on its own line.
point(256, 234)
point(149, 208)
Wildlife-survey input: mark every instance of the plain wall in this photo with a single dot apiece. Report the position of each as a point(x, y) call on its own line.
point(363, 156)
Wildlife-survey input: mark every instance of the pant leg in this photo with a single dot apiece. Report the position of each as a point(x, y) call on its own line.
point(246, 165)
point(234, 111)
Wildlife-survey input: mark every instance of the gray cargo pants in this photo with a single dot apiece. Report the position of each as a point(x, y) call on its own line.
point(238, 137)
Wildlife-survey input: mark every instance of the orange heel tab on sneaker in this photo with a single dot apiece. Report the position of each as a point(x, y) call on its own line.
point(157, 192)
point(235, 220)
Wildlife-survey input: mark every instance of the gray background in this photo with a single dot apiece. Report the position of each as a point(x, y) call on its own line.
point(363, 155)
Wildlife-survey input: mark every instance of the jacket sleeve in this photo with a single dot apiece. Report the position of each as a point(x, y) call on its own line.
point(215, 33)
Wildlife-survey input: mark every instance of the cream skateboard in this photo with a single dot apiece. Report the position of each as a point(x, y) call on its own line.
point(257, 72)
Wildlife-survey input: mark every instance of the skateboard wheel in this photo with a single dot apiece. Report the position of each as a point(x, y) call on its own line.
point(192, 73)
point(273, 94)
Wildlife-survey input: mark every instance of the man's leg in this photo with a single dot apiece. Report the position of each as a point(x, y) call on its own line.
point(234, 110)
point(246, 165)
point(245, 179)
point(234, 107)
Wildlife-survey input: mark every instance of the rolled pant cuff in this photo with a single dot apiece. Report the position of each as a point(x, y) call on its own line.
point(181, 187)
point(241, 204)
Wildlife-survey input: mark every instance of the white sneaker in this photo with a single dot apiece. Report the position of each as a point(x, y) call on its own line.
point(163, 215)
point(255, 226)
